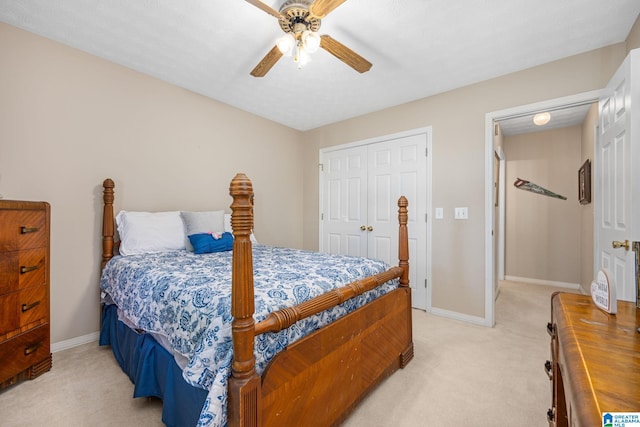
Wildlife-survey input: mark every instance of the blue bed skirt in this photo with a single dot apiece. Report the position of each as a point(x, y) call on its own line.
point(152, 370)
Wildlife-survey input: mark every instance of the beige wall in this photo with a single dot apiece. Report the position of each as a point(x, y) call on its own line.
point(458, 121)
point(543, 233)
point(633, 39)
point(68, 120)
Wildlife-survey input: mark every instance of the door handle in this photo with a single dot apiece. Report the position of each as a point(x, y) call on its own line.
point(369, 228)
point(362, 227)
point(616, 244)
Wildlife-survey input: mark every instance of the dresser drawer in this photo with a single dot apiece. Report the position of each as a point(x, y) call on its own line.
point(23, 308)
point(33, 305)
point(22, 269)
point(24, 350)
point(22, 229)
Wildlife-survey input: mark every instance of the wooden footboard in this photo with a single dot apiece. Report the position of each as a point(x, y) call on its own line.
point(318, 380)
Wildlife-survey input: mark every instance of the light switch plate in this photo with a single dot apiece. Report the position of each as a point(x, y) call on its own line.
point(461, 213)
point(439, 213)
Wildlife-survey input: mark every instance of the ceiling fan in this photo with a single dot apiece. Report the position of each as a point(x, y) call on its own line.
point(300, 20)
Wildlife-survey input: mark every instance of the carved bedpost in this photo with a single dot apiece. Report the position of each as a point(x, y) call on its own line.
point(403, 262)
point(244, 409)
point(403, 241)
point(107, 221)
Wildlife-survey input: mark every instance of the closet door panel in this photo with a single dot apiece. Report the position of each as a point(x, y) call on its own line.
point(344, 209)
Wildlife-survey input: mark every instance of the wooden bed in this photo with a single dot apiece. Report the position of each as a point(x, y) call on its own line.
point(318, 380)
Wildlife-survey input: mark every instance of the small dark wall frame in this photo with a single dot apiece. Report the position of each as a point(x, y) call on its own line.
point(584, 183)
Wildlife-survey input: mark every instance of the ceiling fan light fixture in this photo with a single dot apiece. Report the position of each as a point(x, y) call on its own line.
point(300, 20)
point(541, 119)
point(286, 44)
point(311, 41)
point(301, 56)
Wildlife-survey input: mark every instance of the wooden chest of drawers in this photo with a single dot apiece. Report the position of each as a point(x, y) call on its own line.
point(24, 291)
point(595, 360)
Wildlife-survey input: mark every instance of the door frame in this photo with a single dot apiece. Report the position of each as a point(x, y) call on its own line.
point(428, 131)
point(490, 119)
point(502, 179)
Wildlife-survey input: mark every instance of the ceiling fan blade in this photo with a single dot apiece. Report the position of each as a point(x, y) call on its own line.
point(267, 62)
point(344, 54)
point(321, 8)
point(264, 7)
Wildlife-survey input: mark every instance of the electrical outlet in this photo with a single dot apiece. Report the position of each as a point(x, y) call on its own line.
point(461, 213)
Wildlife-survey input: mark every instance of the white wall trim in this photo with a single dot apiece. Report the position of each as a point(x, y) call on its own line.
point(502, 194)
point(74, 342)
point(489, 274)
point(567, 285)
point(403, 134)
point(459, 316)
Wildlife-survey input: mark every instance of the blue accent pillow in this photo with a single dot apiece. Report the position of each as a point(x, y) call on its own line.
point(204, 243)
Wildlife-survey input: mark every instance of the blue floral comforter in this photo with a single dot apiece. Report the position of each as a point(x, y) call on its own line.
point(187, 299)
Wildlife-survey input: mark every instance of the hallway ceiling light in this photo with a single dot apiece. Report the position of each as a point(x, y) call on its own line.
point(541, 119)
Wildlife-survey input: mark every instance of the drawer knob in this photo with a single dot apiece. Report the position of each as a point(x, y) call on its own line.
point(27, 307)
point(26, 230)
point(547, 368)
point(30, 349)
point(550, 329)
point(24, 269)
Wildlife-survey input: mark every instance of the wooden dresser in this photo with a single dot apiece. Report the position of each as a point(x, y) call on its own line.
point(24, 291)
point(595, 360)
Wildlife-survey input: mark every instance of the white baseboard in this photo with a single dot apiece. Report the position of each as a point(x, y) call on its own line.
point(575, 286)
point(458, 316)
point(74, 342)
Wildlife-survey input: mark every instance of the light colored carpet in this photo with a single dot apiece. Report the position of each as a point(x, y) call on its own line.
point(462, 375)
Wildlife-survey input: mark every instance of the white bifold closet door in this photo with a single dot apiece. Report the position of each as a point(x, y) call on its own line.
point(360, 187)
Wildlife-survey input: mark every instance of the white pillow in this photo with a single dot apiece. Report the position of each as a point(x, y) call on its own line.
point(227, 227)
point(201, 222)
point(144, 232)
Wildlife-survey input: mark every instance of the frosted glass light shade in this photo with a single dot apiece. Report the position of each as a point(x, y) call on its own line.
point(541, 119)
point(286, 43)
point(311, 41)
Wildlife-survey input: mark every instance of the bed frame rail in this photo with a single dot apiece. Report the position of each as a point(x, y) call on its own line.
point(282, 319)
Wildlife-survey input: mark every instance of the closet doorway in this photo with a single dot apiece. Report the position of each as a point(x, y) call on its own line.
point(360, 184)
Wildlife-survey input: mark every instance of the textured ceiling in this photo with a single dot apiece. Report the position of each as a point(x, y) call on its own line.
point(418, 47)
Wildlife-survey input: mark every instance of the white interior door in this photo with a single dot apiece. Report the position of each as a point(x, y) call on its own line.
point(344, 211)
point(397, 167)
point(617, 204)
